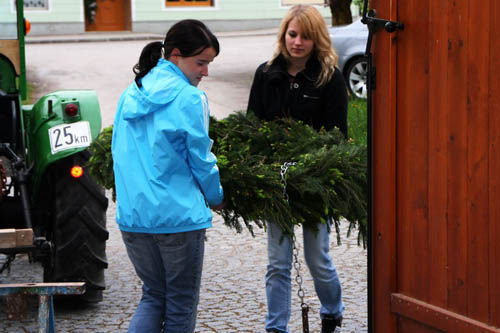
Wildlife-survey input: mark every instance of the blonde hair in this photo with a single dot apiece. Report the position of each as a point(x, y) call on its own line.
point(313, 27)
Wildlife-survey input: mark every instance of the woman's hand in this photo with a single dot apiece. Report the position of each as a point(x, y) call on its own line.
point(219, 206)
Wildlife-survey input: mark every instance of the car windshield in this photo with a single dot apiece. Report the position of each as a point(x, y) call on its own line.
point(8, 19)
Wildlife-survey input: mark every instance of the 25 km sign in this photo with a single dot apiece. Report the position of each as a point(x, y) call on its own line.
point(68, 136)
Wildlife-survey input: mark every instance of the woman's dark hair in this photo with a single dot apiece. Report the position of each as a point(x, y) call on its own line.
point(191, 37)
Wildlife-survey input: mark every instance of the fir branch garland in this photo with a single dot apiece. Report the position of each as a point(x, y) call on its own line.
point(329, 178)
point(101, 161)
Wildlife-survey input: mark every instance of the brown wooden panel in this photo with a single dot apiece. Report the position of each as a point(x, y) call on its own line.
point(436, 317)
point(110, 16)
point(440, 111)
point(183, 3)
point(457, 156)
point(383, 175)
point(477, 161)
point(10, 48)
point(412, 150)
point(494, 165)
point(438, 134)
point(14, 238)
point(410, 326)
point(7, 238)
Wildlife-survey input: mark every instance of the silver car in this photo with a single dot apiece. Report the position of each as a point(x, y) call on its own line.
point(350, 43)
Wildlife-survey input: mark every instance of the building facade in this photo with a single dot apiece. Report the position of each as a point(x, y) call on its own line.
point(151, 16)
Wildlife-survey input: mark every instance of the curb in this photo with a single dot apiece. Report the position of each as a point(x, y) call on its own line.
point(119, 37)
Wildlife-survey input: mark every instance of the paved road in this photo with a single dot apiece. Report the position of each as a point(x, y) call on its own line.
point(232, 296)
point(107, 68)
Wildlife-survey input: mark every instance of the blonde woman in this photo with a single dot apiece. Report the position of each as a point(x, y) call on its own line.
point(302, 82)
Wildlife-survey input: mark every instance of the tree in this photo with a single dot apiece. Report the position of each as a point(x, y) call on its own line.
point(341, 11)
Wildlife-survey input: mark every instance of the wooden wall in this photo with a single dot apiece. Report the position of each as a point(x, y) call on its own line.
point(436, 166)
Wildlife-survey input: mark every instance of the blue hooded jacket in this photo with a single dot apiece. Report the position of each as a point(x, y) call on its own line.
point(165, 174)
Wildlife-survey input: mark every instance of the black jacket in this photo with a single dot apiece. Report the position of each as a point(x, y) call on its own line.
point(274, 95)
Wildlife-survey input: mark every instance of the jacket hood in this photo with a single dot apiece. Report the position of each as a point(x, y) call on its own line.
point(159, 87)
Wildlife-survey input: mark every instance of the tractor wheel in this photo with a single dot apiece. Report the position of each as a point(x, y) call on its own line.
point(78, 229)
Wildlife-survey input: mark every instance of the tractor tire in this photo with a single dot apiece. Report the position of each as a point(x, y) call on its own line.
point(78, 229)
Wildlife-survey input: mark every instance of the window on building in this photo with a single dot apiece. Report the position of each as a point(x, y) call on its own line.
point(36, 4)
point(302, 2)
point(199, 3)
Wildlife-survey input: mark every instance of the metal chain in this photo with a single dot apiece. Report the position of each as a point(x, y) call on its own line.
point(284, 169)
point(295, 252)
point(300, 291)
point(6, 265)
point(3, 181)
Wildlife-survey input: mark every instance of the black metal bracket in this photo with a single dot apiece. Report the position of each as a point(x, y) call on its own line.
point(370, 19)
point(373, 23)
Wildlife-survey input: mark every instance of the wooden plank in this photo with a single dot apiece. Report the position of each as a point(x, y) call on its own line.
point(412, 150)
point(51, 288)
point(494, 165)
point(10, 48)
point(477, 161)
point(7, 238)
point(24, 237)
point(383, 175)
point(14, 238)
point(407, 325)
point(457, 155)
point(438, 134)
point(403, 241)
point(437, 317)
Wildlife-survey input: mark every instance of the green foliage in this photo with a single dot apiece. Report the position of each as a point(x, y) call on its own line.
point(101, 161)
point(328, 179)
point(357, 120)
point(360, 4)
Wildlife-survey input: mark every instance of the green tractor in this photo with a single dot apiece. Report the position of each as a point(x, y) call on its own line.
point(50, 206)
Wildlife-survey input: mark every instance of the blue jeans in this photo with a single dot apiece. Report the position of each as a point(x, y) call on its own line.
point(278, 280)
point(169, 266)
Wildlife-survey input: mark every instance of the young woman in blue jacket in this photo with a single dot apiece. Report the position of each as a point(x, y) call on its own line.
point(166, 176)
point(301, 82)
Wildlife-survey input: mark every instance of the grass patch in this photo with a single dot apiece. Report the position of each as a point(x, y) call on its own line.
point(357, 121)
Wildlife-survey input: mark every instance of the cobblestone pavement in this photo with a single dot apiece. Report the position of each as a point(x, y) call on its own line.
point(232, 295)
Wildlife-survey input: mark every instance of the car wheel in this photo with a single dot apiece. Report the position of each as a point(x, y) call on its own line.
point(356, 75)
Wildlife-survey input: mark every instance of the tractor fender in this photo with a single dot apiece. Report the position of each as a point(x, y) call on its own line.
point(52, 134)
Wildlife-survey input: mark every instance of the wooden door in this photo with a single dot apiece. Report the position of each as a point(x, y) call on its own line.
point(436, 168)
point(111, 15)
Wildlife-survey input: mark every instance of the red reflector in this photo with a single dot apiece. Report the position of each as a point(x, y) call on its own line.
point(76, 171)
point(71, 110)
point(27, 26)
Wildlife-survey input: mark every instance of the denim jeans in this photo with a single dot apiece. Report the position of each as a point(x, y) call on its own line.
point(170, 267)
point(278, 279)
